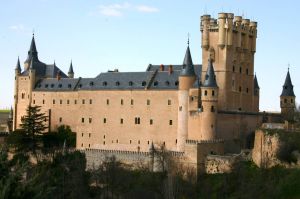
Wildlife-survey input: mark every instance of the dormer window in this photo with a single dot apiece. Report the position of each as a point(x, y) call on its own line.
point(52, 85)
point(60, 85)
point(176, 83)
point(91, 83)
point(80, 85)
point(104, 83)
point(69, 85)
point(130, 83)
point(46, 85)
point(155, 83)
point(143, 83)
point(167, 83)
point(118, 83)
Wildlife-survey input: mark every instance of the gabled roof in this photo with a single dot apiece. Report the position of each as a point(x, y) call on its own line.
point(288, 88)
point(210, 77)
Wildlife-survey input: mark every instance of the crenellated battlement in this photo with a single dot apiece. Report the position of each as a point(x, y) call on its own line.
point(204, 141)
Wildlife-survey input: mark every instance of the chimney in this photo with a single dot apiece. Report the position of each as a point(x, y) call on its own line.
point(58, 75)
point(162, 67)
point(170, 69)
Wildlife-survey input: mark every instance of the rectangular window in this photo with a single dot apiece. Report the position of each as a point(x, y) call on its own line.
point(81, 134)
point(89, 135)
point(75, 101)
point(169, 102)
point(60, 101)
point(121, 121)
point(131, 101)
point(148, 102)
point(137, 120)
point(43, 101)
point(122, 102)
point(90, 120)
point(130, 141)
point(170, 122)
point(180, 108)
point(83, 101)
point(53, 101)
point(104, 120)
point(107, 101)
point(91, 101)
point(60, 119)
point(33, 102)
point(82, 120)
point(151, 121)
point(68, 101)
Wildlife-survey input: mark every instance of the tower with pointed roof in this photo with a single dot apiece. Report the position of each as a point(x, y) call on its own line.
point(32, 54)
point(287, 99)
point(255, 100)
point(209, 92)
point(71, 71)
point(187, 79)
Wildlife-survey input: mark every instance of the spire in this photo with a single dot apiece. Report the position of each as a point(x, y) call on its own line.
point(32, 52)
point(18, 66)
point(71, 69)
point(256, 86)
point(288, 88)
point(188, 66)
point(210, 77)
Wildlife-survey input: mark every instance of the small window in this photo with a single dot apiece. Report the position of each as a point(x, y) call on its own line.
point(80, 85)
point(75, 101)
point(176, 141)
point(104, 83)
point(83, 101)
point(117, 141)
point(52, 85)
point(155, 83)
point(167, 83)
point(46, 85)
point(151, 121)
point(176, 83)
point(122, 101)
point(130, 83)
point(81, 144)
point(81, 134)
point(69, 86)
point(170, 122)
point(59, 85)
point(148, 102)
point(148, 142)
point(233, 68)
point(60, 101)
point(91, 83)
point(213, 93)
point(130, 141)
point(169, 102)
point(89, 135)
point(103, 142)
point(212, 109)
point(131, 102)
point(107, 102)
point(53, 102)
point(285, 100)
point(241, 70)
point(205, 92)
point(137, 120)
point(247, 90)
point(68, 101)
point(43, 101)
point(139, 142)
point(90, 120)
point(91, 101)
point(292, 101)
point(180, 108)
point(143, 83)
point(118, 83)
point(121, 121)
point(104, 120)
point(247, 71)
point(23, 95)
point(103, 136)
point(33, 101)
point(240, 89)
point(82, 120)
point(60, 119)
point(89, 145)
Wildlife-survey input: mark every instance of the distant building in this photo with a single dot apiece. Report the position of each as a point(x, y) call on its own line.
point(178, 106)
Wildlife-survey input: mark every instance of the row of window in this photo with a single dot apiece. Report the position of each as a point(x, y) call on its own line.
point(137, 120)
point(240, 70)
point(148, 102)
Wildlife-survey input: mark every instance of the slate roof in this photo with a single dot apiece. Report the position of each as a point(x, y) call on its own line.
point(288, 88)
point(44, 70)
point(210, 77)
point(188, 66)
point(256, 86)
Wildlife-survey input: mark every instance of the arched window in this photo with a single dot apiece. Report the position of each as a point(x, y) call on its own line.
point(213, 93)
point(205, 92)
point(143, 83)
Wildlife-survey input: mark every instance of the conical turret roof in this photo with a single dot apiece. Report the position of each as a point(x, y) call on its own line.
point(18, 66)
point(210, 77)
point(32, 52)
point(188, 66)
point(288, 88)
point(71, 69)
point(256, 86)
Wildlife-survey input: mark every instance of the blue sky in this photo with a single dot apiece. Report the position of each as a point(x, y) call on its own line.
point(128, 35)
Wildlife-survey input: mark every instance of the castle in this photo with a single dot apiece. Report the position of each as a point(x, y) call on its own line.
point(189, 108)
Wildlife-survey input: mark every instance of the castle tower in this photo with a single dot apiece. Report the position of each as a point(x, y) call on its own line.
point(255, 95)
point(187, 78)
point(287, 99)
point(71, 72)
point(32, 54)
point(31, 82)
point(17, 74)
point(209, 92)
point(230, 42)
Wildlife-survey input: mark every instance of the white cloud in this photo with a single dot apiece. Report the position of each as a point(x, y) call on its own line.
point(144, 8)
point(117, 10)
point(18, 27)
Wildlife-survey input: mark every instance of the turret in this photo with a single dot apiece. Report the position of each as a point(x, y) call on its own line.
point(31, 79)
point(205, 23)
point(18, 67)
point(32, 54)
point(255, 100)
point(209, 93)
point(17, 73)
point(187, 78)
point(222, 31)
point(71, 72)
point(230, 29)
point(287, 99)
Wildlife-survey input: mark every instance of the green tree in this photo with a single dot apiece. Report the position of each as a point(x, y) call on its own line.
point(33, 125)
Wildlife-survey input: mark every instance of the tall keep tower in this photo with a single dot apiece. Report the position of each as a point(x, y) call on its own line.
point(287, 99)
point(230, 42)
